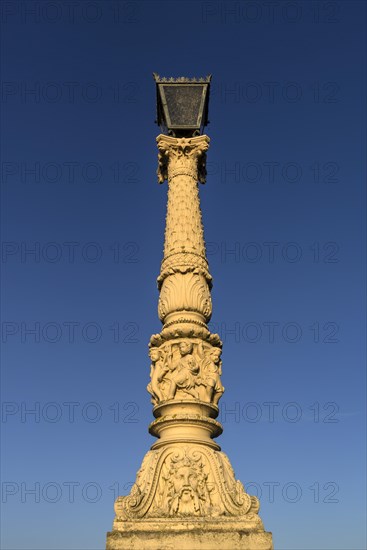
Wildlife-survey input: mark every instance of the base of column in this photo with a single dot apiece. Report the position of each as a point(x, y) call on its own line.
point(173, 534)
point(186, 497)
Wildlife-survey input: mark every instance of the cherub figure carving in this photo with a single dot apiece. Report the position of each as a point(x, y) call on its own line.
point(211, 370)
point(184, 373)
point(158, 370)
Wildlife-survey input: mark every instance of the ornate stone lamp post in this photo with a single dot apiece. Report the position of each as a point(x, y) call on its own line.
point(185, 495)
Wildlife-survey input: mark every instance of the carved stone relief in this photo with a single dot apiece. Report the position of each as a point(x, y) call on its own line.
point(186, 369)
point(187, 481)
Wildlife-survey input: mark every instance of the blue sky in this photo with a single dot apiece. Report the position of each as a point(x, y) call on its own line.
point(283, 211)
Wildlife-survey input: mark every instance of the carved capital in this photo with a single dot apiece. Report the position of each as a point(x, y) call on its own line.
point(182, 156)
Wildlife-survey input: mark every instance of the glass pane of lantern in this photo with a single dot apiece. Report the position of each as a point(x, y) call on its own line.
point(183, 104)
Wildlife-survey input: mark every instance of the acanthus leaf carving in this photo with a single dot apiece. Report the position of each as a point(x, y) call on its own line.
point(185, 292)
point(185, 155)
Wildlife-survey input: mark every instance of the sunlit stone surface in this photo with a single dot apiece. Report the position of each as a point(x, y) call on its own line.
point(186, 496)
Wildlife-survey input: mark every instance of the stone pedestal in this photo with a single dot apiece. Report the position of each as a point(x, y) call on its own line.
point(186, 496)
point(194, 534)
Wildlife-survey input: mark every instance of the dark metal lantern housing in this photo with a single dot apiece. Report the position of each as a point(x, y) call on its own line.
point(182, 105)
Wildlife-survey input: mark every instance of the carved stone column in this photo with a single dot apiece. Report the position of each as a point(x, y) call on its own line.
point(186, 495)
point(184, 281)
